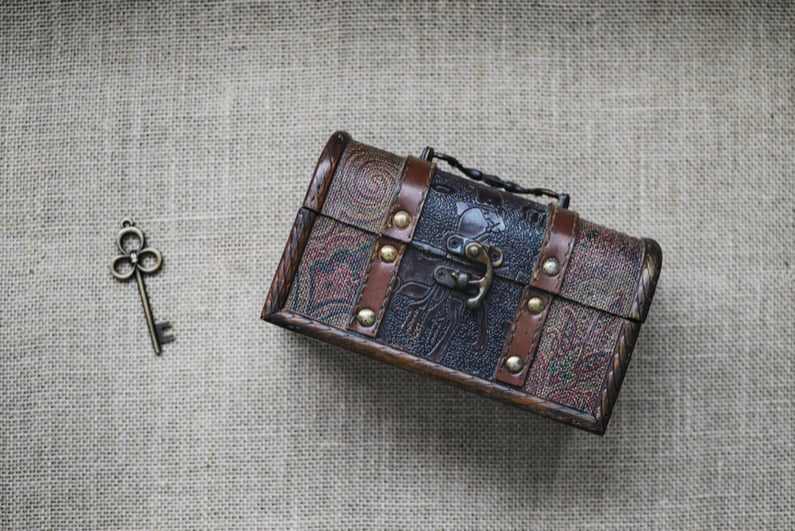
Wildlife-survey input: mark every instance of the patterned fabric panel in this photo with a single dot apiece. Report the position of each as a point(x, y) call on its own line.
point(433, 322)
point(330, 273)
point(573, 355)
point(604, 269)
point(363, 187)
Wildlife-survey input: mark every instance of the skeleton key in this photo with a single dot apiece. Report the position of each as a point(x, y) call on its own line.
point(134, 260)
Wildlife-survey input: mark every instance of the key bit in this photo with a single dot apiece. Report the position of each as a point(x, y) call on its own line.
point(134, 260)
point(163, 332)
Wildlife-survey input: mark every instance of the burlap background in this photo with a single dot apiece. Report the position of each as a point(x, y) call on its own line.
point(204, 122)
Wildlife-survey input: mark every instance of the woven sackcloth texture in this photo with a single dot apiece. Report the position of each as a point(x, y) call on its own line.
point(203, 122)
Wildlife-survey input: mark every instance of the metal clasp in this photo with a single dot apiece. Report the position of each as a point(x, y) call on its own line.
point(474, 251)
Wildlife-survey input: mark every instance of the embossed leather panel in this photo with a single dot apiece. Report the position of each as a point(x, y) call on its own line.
point(433, 321)
point(482, 213)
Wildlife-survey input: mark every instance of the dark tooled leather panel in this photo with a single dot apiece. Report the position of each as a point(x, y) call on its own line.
point(482, 213)
point(432, 321)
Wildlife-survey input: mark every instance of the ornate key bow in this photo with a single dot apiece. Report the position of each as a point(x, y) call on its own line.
point(134, 256)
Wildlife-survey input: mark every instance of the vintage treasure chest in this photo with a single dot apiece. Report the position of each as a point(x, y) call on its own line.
point(470, 283)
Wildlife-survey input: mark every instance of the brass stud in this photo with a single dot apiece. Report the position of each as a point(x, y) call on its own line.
point(388, 253)
point(401, 219)
point(366, 317)
point(551, 266)
point(473, 250)
point(514, 364)
point(535, 305)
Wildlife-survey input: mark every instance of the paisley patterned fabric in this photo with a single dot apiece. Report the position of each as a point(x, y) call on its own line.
point(604, 269)
point(573, 355)
point(330, 274)
point(364, 185)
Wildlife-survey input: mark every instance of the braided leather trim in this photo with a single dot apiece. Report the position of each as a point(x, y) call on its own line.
point(649, 274)
point(326, 164)
point(288, 265)
point(615, 372)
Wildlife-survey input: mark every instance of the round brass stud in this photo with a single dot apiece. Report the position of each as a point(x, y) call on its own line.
point(535, 305)
point(514, 364)
point(366, 317)
point(401, 219)
point(473, 250)
point(551, 267)
point(388, 253)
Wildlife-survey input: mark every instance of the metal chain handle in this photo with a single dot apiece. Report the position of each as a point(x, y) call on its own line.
point(492, 180)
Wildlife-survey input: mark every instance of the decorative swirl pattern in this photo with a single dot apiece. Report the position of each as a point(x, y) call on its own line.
point(363, 187)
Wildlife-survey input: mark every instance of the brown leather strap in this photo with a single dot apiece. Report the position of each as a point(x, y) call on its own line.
point(557, 246)
point(410, 198)
point(377, 285)
point(525, 331)
point(523, 337)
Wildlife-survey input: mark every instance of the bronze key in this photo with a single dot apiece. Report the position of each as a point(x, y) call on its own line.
point(134, 260)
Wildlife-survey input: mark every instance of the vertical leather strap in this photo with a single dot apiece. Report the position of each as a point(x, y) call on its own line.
point(556, 248)
point(528, 322)
point(523, 337)
point(398, 230)
point(409, 199)
point(377, 285)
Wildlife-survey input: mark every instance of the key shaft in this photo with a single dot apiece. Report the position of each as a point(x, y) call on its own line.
point(150, 322)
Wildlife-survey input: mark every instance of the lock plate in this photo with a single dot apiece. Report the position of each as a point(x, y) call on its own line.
point(473, 251)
